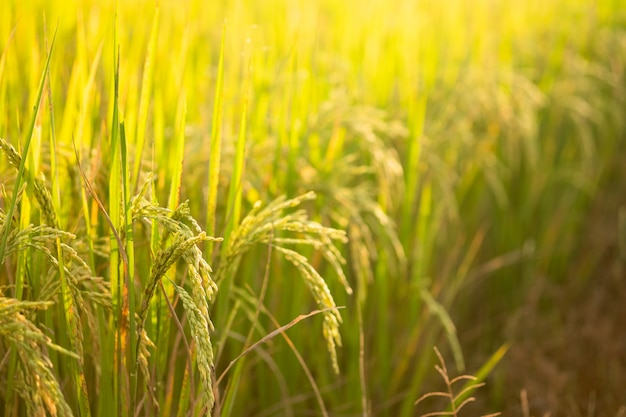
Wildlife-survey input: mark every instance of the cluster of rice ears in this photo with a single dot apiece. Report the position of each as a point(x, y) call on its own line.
point(280, 208)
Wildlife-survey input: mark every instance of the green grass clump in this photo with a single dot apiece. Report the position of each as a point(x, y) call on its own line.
point(183, 183)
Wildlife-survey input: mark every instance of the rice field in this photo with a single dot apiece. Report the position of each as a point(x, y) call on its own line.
point(297, 208)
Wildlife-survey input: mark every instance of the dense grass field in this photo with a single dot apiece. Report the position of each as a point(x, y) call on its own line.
point(289, 208)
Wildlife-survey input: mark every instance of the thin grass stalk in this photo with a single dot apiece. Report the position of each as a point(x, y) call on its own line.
point(115, 203)
point(412, 171)
point(184, 398)
point(160, 311)
point(188, 377)
point(127, 319)
point(160, 303)
point(419, 373)
point(235, 190)
point(383, 300)
point(152, 327)
point(178, 156)
point(144, 100)
point(424, 240)
point(3, 57)
point(215, 150)
point(365, 401)
point(481, 374)
point(83, 116)
point(230, 393)
point(21, 270)
point(284, 137)
point(168, 292)
point(56, 187)
point(234, 212)
point(437, 310)
point(293, 141)
point(124, 267)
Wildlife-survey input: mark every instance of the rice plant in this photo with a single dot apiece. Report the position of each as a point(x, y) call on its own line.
point(280, 208)
point(456, 400)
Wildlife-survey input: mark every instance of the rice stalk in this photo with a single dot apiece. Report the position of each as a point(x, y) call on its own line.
point(324, 299)
point(446, 321)
point(216, 145)
point(201, 325)
point(360, 181)
point(144, 101)
point(143, 355)
point(185, 235)
point(117, 254)
point(71, 296)
point(41, 193)
point(292, 347)
point(262, 224)
point(456, 400)
point(86, 291)
point(36, 379)
point(44, 198)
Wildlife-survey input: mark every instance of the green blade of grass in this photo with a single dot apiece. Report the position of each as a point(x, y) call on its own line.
point(27, 140)
point(160, 303)
point(144, 101)
point(56, 187)
point(215, 148)
point(177, 158)
point(127, 326)
point(3, 57)
point(446, 321)
point(115, 244)
point(120, 390)
point(82, 121)
point(412, 170)
point(234, 193)
point(481, 375)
